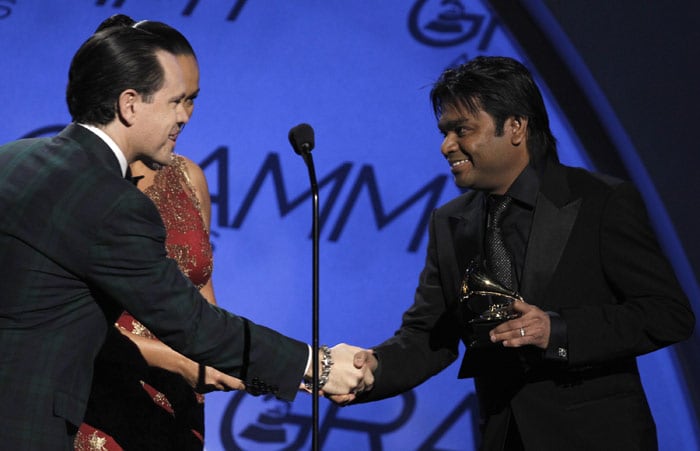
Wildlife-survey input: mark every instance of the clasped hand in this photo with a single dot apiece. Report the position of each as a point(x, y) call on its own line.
point(346, 378)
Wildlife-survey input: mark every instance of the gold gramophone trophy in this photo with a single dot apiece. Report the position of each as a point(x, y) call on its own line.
point(487, 302)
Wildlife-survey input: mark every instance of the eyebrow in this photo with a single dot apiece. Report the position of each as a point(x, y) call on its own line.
point(450, 125)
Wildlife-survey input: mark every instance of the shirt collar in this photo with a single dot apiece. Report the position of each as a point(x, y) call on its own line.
point(112, 145)
point(525, 187)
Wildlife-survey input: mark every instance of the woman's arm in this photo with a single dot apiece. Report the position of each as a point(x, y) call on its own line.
point(158, 354)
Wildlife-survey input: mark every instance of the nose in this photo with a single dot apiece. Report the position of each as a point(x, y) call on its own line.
point(449, 145)
point(183, 116)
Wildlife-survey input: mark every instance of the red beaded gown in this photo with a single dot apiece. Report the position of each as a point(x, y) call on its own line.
point(133, 406)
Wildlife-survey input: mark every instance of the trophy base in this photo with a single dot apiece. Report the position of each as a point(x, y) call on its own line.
point(480, 328)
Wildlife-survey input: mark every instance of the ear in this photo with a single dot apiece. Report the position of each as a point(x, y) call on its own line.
point(518, 129)
point(125, 106)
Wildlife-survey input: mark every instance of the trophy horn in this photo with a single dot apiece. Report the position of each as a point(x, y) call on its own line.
point(475, 283)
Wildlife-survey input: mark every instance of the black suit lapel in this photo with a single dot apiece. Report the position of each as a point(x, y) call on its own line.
point(555, 215)
point(467, 229)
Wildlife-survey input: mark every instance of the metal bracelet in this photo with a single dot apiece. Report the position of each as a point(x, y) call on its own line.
point(326, 363)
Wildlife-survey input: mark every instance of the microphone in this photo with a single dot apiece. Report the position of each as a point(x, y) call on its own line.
point(301, 138)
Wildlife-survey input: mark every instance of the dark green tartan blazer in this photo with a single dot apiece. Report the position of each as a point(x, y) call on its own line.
point(78, 244)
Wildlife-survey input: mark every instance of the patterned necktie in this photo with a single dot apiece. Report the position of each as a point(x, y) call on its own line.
point(498, 259)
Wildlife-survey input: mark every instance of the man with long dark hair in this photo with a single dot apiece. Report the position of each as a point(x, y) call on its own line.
point(559, 371)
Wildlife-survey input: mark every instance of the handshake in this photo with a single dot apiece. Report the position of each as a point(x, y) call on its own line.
point(345, 371)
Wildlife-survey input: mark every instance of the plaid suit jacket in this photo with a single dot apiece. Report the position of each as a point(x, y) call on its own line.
point(78, 244)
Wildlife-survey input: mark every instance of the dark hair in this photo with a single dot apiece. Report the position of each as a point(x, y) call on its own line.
point(117, 20)
point(503, 88)
point(177, 42)
point(109, 62)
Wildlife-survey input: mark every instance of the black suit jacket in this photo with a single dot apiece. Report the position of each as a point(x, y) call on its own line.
point(593, 259)
point(78, 244)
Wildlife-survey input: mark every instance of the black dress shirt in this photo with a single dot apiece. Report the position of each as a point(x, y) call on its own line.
point(516, 232)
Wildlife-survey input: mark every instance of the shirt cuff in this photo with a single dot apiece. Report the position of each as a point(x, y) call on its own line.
point(308, 360)
point(558, 348)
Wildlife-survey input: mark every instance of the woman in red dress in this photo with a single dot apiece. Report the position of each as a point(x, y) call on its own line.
point(146, 395)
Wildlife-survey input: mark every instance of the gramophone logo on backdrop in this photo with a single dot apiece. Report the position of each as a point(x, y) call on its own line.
point(445, 23)
point(265, 422)
point(6, 8)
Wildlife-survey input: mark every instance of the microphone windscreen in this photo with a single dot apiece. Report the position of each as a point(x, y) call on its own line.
point(301, 138)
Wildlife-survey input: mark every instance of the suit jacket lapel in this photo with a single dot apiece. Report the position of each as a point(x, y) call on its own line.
point(466, 227)
point(555, 215)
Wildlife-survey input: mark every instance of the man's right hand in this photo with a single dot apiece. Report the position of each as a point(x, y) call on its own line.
point(347, 377)
point(364, 360)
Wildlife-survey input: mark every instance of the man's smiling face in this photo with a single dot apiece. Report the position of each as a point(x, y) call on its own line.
point(480, 158)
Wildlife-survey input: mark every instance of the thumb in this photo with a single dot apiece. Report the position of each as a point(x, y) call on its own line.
point(520, 306)
point(360, 359)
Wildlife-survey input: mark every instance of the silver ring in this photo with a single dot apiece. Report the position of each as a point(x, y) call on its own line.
point(522, 332)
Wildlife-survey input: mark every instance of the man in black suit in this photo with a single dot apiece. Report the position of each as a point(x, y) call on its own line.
point(598, 290)
point(79, 244)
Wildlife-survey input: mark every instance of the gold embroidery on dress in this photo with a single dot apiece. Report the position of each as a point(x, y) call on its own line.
point(168, 182)
point(139, 329)
point(97, 442)
point(159, 398)
point(181, 254)
point(92, 442)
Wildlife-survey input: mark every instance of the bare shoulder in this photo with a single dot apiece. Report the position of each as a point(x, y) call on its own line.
point(196, 176)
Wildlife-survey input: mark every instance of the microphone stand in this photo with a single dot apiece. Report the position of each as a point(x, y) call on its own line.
point(308, 159)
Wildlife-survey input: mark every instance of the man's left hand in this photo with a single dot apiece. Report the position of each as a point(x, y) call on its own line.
point(531, 328)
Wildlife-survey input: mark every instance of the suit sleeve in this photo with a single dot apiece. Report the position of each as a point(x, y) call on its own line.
point(428, 339)
point(648, 309)
point(129, 267)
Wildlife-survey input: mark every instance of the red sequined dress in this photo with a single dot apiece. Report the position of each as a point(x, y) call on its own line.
point(133, 406)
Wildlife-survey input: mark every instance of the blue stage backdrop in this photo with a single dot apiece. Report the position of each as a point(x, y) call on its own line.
point(359, 72)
